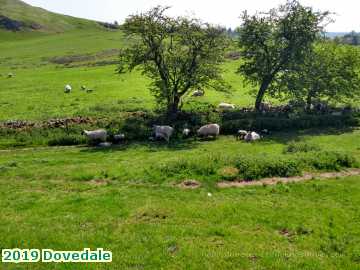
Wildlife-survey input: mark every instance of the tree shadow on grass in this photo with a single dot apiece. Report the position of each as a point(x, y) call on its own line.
point(157, 146)
point(297, 135)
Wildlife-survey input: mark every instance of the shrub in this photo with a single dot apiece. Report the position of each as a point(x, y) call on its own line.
point(302, 147)
point(251, 168)
point(330, 161)
point(66, 140)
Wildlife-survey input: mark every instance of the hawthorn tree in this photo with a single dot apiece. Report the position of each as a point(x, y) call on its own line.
point(276, 42)
point(177, 54)
point(330, 72)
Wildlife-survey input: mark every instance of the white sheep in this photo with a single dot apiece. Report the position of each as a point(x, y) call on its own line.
point(67, 88)
point(96, 136)
point(251, 137)
point(10, 75)
point(198, 93)
point(226, 106)
point(241, 134)
point(163, 132)
point(104, 144)
point(186, 132)
point(119, 137)
point(211, 130)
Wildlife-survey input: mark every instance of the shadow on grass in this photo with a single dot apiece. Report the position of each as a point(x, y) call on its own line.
point(191, 143)
point(297, 135)
point(175, 145)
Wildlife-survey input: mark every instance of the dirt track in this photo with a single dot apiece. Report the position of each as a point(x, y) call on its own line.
point(275, 180)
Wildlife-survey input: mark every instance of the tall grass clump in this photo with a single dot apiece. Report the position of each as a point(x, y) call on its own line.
point(252, 167)
point(301, 147)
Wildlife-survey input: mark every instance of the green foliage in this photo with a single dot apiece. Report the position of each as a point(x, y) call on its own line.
point(252, 167)
point(257, 167)
point(67, 140)
point(302, 147)
point(330, 71)
point(178, 55)
point(276, 42)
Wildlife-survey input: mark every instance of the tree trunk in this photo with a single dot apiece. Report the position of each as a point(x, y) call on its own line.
point(309, 98)
point(173, 107)
point(260, 96)
point(308, 102)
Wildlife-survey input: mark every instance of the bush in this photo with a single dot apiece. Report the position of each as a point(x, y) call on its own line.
point(258, 167)
point(300, 147)
point(254, 167)
point(66, 140)
point(329, 161)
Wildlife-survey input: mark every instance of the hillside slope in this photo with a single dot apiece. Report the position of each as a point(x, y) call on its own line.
point(16, 15)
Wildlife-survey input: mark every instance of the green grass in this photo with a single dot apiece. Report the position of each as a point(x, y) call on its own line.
point(122, 199)
point(122, 163)
point(49, 200)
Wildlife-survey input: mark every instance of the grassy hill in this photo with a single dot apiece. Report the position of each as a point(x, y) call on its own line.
point(26, 17)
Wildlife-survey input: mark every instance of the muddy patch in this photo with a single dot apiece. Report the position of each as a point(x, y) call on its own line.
point(99, 182)
point(189, 184)
point(276, 180)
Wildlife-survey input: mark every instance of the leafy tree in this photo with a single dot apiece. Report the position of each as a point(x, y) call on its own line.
point(330, 72)
point(177, 54)
point(277, 41)
point(352, 38)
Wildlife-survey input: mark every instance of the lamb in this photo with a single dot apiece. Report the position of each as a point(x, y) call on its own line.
point(198, 93)
point(96, 136)
point(241, 134)
point(119, 137)
point(211, 130)
point(226, 106)
point(186, 132)
point(67, 88)
point(251, 137)
point(163, 132)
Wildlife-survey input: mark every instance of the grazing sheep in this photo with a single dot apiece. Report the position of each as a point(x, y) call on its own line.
point(226, 106)
point(96, 136)
point(119, 138)
point(241, 134)
point(186, 132)
point(198, 93)
point(163, 132)
point(211, 130)
point(67, 88)
point(251, 137)
point(10, 75)
point(104, 144)
point(83, 87)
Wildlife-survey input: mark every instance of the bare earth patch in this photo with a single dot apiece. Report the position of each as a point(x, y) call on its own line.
point(189, 184)
point(99, 182)
point(275, 180)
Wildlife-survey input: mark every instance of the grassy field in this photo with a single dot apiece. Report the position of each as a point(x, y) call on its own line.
point(71, 198)
point(125, 198)
point(37, 90)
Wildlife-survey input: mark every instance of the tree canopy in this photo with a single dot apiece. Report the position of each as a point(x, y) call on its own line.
point(177, 54)
point(330, 72)
point(276, 42)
